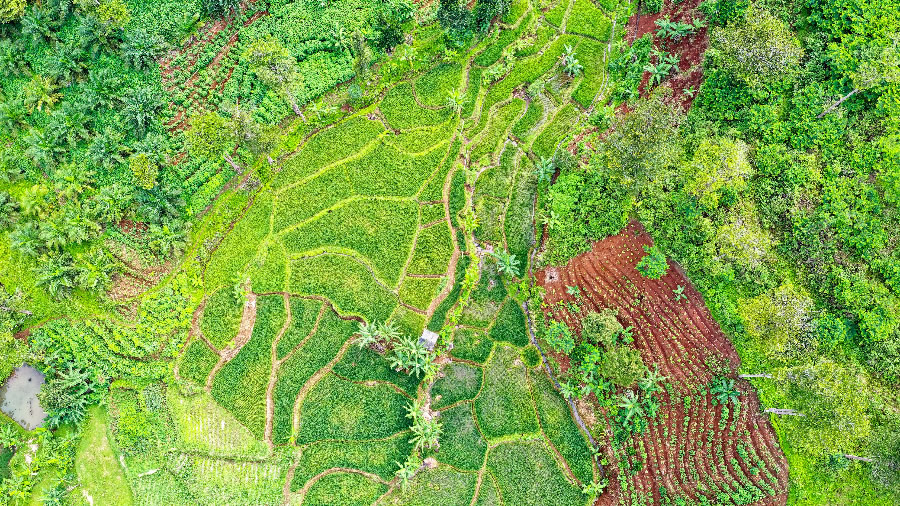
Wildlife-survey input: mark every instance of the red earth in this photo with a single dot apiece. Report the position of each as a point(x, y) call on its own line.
point(688, 449)
point(690, 49)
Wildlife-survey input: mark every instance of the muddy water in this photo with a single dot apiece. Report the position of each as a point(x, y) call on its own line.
point(18, 397)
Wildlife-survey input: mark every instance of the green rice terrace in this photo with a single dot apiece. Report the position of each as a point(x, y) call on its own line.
point(499, 252)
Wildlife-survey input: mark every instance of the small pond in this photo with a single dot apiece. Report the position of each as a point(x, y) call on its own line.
point(18, 397)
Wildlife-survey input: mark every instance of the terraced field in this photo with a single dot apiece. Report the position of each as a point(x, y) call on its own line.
point(693, 448)
point(362, 222)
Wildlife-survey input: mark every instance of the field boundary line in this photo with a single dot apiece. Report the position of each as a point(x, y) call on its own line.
point(311, 333)
point(273, 373)
point(245, 332)
point(313, 380)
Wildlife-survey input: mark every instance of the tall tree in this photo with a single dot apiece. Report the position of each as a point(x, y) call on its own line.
point(757, 50)
point(11, 10)
point(276, 68)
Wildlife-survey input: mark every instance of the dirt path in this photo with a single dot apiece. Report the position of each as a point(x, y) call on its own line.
point(248, 320)
point(314, 379)
point(273, 374)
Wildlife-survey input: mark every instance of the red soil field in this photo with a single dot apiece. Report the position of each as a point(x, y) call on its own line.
point(684, 449)
point(690, 49)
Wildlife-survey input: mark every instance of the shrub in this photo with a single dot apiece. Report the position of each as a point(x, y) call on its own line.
point(559, 337)
point(653, 265)
point(531, 356)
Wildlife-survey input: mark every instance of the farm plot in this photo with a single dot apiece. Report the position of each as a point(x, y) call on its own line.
point(695, 449)
point(361, 223)
point(345, 220)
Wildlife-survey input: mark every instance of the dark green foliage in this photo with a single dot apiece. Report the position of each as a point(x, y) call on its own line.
point(472, 345)
point(339, 409)
point(531, 356)
point(303, 364)
point(527, 474)
point(504, 407)
point(459, 382)
point(461, 443)
point(510, 325)
point(221, 8)
point(240, 386)
point(221, 317)
point(653, 265)
point(304, 315)
point(344, 488)
point(376, 457)
point(558, 426)
point(197, 362)
point(365, 364)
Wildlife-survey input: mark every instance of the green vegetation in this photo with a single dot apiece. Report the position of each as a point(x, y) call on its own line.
point(504, 408)
point(251, 195)
point(99, 474)
point(344, 488)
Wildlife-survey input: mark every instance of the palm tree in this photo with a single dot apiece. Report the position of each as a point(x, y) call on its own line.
point(8, 209)
point(455, 100)
point(724, 391)
point(54, 496)
point(40, 149)
point(408, 54)
point(388, 332)
point(107, 148)
point(36, 25)
point(339, 38)
point(507, 263)
point(368, 334)
point(141, 48)
point(141, 107)
point(544, 169)
point(632, 406)
point(426, 433)
point(40, 93)
point(58, 274)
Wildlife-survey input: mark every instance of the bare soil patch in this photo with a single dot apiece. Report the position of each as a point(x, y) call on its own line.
point(690, 49)
point(688, 445)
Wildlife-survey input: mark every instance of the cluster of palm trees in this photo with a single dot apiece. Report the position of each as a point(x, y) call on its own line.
point(407, 352)
point(58, 140)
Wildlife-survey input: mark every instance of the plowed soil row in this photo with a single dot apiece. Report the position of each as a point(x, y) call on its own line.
point(686, 450)
point(690, 49)
point(207, 36)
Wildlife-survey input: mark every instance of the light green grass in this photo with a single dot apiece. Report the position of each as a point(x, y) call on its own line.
point(504, 407)
point(462, 445)
point(375, 457)
point(442, 486)
point(96, 465)
point(197, 362)
point(458, 382)
point(203, 426)
point(527, 474)
point(345, 282)
point(433, 251)
point(339, 409)
point(419, 292)
point(558, 426)
point(346, 489)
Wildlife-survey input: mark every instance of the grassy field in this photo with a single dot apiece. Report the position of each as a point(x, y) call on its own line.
point(360, 218)
point(99, 472)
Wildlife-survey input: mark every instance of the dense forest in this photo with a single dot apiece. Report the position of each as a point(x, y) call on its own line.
point(224, 225)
